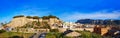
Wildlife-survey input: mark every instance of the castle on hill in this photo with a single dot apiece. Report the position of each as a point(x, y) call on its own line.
point(21, 20)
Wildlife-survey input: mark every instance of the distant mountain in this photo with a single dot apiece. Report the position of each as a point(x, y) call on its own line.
point(99, 21)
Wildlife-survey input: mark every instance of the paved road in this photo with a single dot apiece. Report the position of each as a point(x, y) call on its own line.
point(42, 35)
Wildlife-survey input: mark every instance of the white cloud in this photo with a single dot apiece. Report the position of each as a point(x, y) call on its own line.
point(93, 15)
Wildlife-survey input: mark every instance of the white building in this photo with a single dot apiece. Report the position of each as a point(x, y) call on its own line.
point(69, 25)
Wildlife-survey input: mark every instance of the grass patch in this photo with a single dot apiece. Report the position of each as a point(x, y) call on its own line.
point(11, 34)
point(86, 34)
point(53, 35)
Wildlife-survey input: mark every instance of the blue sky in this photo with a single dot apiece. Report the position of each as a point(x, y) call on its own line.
point(66, 10)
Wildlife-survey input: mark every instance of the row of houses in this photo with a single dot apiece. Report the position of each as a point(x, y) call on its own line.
point(113, 31)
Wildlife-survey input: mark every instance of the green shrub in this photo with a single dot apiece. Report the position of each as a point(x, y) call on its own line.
point(36, 17)
point(53, 35)
point(87, 34)
point(54, 30)
point(67, 37)
point(2, 31)
point(29, 17)
point(16, 37)
point(18, 16)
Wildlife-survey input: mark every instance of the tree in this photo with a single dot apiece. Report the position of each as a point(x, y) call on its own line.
point(29, 17)
point(45, 17)
point(2, 31)
point(54, 30)
point(36, 17)
point(51, 16)
point(18, 16)
point(16, 37)
point(46, 25)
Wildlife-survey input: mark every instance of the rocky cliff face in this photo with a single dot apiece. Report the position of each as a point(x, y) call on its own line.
point(18, 22)
point(21, 21)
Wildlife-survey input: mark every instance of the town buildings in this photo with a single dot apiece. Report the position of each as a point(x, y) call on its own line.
point(78, 26)
point(30, 25)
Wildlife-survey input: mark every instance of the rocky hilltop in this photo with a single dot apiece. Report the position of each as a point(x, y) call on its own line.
point(21, 20)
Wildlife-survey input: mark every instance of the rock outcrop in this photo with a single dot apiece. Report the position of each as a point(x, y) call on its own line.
point(18, 22)
point(21, 21)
